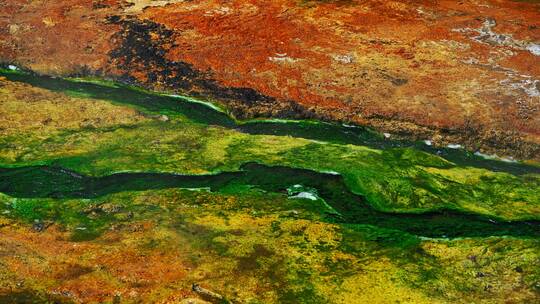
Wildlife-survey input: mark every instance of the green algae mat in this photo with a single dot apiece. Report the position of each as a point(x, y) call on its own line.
point(113, 194)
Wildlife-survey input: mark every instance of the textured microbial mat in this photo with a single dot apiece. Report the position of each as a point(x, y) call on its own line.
point(269, 151)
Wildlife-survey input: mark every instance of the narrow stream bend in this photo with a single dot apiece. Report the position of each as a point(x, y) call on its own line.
point(54, 182)
point(204, 114)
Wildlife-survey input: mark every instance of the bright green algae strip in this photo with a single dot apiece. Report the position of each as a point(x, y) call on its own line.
point(48, 182)
point(189, 109)
point(393, 179)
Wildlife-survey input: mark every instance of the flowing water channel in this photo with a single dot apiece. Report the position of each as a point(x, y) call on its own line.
point(203, 113)
point(56, 182)
point(59, 183)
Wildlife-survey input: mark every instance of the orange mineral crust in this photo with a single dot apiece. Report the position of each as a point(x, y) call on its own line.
point(451, 71)
point(93, 272)
point(55, 37)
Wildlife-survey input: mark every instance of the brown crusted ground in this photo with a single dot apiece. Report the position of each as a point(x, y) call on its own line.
point(406, 67)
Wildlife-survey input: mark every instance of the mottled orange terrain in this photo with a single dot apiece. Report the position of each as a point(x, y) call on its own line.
point(451, 71)
point(90, 272)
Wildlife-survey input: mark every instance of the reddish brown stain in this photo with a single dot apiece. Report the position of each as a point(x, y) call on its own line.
point(399, 66)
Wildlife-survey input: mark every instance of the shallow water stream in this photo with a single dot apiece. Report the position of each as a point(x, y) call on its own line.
point(59, 183)
point(202, 113)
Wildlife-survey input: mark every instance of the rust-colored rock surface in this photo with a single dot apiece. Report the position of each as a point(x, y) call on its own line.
point(451, 71)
